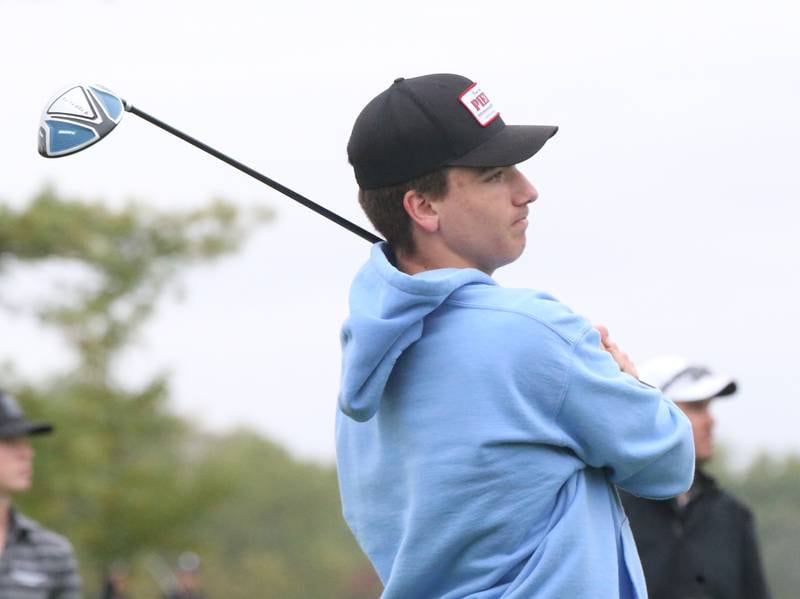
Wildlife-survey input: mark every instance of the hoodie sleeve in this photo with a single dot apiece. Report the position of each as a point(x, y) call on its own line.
point(613, 421)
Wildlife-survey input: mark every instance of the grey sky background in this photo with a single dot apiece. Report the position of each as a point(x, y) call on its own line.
point(668, 200)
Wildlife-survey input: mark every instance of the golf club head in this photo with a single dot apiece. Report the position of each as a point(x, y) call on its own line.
point(77, 118)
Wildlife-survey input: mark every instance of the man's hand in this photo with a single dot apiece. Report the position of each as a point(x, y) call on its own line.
point(620, 357)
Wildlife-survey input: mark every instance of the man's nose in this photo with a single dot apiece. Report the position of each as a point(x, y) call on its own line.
point(525, 193)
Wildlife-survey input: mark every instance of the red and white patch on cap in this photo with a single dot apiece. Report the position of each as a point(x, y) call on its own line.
point(479, 105)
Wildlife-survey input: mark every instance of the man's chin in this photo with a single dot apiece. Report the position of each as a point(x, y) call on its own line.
point(20, 486)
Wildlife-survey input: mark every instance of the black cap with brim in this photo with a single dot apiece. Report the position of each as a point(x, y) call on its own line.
point(22, 427)
point(511, 145)
point(425, 123)
point(13, 422)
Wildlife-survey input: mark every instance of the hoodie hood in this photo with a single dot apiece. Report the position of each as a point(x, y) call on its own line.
point(387, 310)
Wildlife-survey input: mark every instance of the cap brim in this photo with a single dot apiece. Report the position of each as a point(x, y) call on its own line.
point(17, 429)
point(512, 145)
point(707, 387)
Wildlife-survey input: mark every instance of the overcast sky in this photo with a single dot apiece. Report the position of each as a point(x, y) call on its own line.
point(668, 202)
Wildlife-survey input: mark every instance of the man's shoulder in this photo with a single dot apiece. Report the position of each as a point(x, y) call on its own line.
point(521, 307)
point(724, 503)
point(727, 501)
point(40, 536)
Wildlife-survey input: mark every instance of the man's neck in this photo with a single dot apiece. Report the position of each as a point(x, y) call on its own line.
point(417, 262)
point(5, 509)
point(5, 512)
point(697, 487)
point(411, 265)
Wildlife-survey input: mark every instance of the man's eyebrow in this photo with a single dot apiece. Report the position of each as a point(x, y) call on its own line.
point(487, 172)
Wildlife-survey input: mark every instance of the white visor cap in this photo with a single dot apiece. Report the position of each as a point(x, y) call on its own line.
point(681, 380)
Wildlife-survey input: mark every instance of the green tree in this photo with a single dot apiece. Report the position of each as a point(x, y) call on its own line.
point(280, 532)
point(119, 477)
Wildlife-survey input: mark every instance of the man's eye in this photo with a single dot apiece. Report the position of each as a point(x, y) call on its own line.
point(496, 176)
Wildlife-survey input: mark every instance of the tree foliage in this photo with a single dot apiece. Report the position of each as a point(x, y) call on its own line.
point(116, 478)
point(280, 532)
point(133, 253)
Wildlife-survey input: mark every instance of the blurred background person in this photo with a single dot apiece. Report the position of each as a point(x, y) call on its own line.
point(189, 585)
point(116, 582)
point(35, 562)
point(702, 544)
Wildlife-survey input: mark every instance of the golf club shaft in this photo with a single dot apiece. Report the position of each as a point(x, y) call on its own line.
point(354, 228)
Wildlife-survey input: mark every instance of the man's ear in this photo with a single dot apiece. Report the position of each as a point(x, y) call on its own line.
point(421, 210)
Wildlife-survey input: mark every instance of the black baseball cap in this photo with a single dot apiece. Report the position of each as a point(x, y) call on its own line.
point(13, 422)
point(424, 123)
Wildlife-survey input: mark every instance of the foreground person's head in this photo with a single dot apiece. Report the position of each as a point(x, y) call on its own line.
point(435, 165)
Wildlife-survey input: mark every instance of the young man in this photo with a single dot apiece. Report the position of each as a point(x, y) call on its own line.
point(35, 563)
point(481, 430)
point(703, 542)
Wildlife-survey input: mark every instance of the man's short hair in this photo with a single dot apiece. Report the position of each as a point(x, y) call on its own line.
point(385, 210)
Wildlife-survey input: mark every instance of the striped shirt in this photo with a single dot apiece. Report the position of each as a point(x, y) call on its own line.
point(37, 563)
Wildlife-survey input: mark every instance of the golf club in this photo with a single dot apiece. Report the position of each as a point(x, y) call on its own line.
point(82, 115)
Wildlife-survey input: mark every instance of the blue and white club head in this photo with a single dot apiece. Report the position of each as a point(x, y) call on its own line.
point(77, 118)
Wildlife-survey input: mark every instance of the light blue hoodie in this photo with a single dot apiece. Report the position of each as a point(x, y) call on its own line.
point(480, 433)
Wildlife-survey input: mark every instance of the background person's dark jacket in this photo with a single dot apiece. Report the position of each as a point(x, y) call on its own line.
point(706, 550)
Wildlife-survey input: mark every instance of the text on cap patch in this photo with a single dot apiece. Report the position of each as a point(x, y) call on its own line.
point(479, 105)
